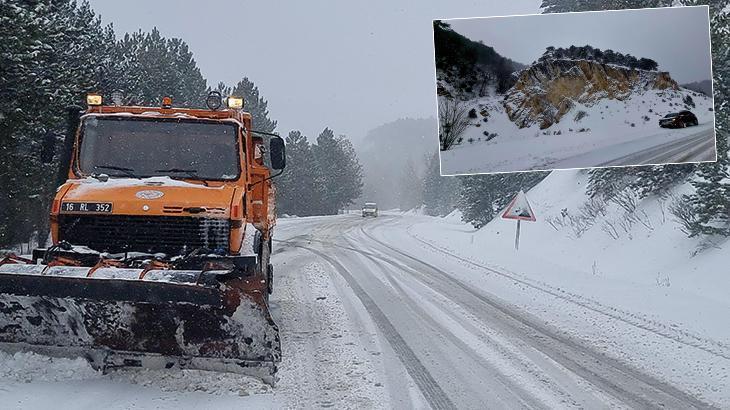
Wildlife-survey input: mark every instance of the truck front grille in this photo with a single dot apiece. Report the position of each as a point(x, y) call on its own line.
point(172, 235)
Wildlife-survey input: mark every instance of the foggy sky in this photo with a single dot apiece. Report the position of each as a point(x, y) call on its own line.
point(350, 66)
point(676, 38)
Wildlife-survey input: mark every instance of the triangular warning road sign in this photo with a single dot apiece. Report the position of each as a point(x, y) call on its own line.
point(519, 208)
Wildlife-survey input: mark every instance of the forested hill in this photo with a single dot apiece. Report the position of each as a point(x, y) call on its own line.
point(596, 54)
point(469, 67)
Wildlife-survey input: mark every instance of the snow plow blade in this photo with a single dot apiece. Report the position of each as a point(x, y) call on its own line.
point(120, 317)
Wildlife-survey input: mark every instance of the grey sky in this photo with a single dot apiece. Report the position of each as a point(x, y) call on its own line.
point(350, 66)
point(676, 38)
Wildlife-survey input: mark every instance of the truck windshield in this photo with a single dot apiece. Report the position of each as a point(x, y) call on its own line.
point(145, 147)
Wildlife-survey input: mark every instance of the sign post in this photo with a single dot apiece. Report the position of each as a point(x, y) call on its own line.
point(519, 209)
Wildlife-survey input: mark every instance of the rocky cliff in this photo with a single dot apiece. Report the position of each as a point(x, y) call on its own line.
point(548, 89)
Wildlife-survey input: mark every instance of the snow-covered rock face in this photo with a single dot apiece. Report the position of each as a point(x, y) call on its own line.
point(548, 89)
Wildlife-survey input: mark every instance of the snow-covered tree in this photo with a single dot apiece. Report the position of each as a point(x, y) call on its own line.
point(339, 172)
point(297, 190)
point(439, 193)
point(410, 187)
point(254, 104)
point(50, 56)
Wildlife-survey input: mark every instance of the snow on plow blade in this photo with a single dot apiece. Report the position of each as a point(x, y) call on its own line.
point(211, 320)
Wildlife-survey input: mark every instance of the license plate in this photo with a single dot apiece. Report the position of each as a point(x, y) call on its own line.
point(92, 207)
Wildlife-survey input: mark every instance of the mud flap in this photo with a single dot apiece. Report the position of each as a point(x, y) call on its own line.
point(215, 320)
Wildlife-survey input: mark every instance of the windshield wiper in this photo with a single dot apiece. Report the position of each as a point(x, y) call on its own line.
point(192, 173)
point(127, 171)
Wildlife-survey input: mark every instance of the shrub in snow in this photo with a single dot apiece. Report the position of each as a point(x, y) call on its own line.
point(473, 113)
point(453, 122)
point(580, 115)
point(662, 281)
point(471, 140)
point(688, 101)
point(633, 125)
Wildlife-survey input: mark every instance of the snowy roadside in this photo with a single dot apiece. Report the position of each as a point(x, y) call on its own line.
point(31, 381)
point(642, 298)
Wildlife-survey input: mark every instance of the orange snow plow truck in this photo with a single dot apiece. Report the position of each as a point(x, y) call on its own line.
point(161, 242)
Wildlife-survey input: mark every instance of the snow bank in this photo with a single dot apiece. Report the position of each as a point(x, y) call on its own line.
point(29, 380)
point(26, 367)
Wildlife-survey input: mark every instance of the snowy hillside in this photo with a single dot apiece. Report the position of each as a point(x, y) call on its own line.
point(634, 265)
point(587, 135)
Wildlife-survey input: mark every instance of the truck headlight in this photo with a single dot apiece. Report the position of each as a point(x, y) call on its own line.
point(235, 102)
point(93, 99)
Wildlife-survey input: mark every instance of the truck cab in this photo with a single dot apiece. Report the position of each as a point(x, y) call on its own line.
point(164, 180)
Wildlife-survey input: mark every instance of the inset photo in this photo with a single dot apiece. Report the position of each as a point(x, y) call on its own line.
point(574, 90)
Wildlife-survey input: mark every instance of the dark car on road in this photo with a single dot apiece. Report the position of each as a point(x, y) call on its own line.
point(678, 120)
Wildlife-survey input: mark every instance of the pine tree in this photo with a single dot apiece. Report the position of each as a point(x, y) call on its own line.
point(410, 187)
point(149, 67)
point(658, 180)
point(50, 57)
point(711, 200)
point(339, 172)
point(297, 191)
point(254, 104)
point(439, 193)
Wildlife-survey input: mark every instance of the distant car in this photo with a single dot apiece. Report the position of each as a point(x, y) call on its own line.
point(678, 120)
point(370, 209)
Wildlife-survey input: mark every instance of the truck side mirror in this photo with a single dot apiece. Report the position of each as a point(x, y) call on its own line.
point(48, 148)
point(277, 152)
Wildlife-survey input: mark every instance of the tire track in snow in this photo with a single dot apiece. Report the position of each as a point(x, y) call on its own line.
point(626, 384)
point(707, 345)
point(431, 390)
point(519, 393)
point(675, 151)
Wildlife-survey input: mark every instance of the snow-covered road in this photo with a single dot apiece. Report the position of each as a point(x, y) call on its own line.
point(692, 145)
point(447, 341)
point(373, 315)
